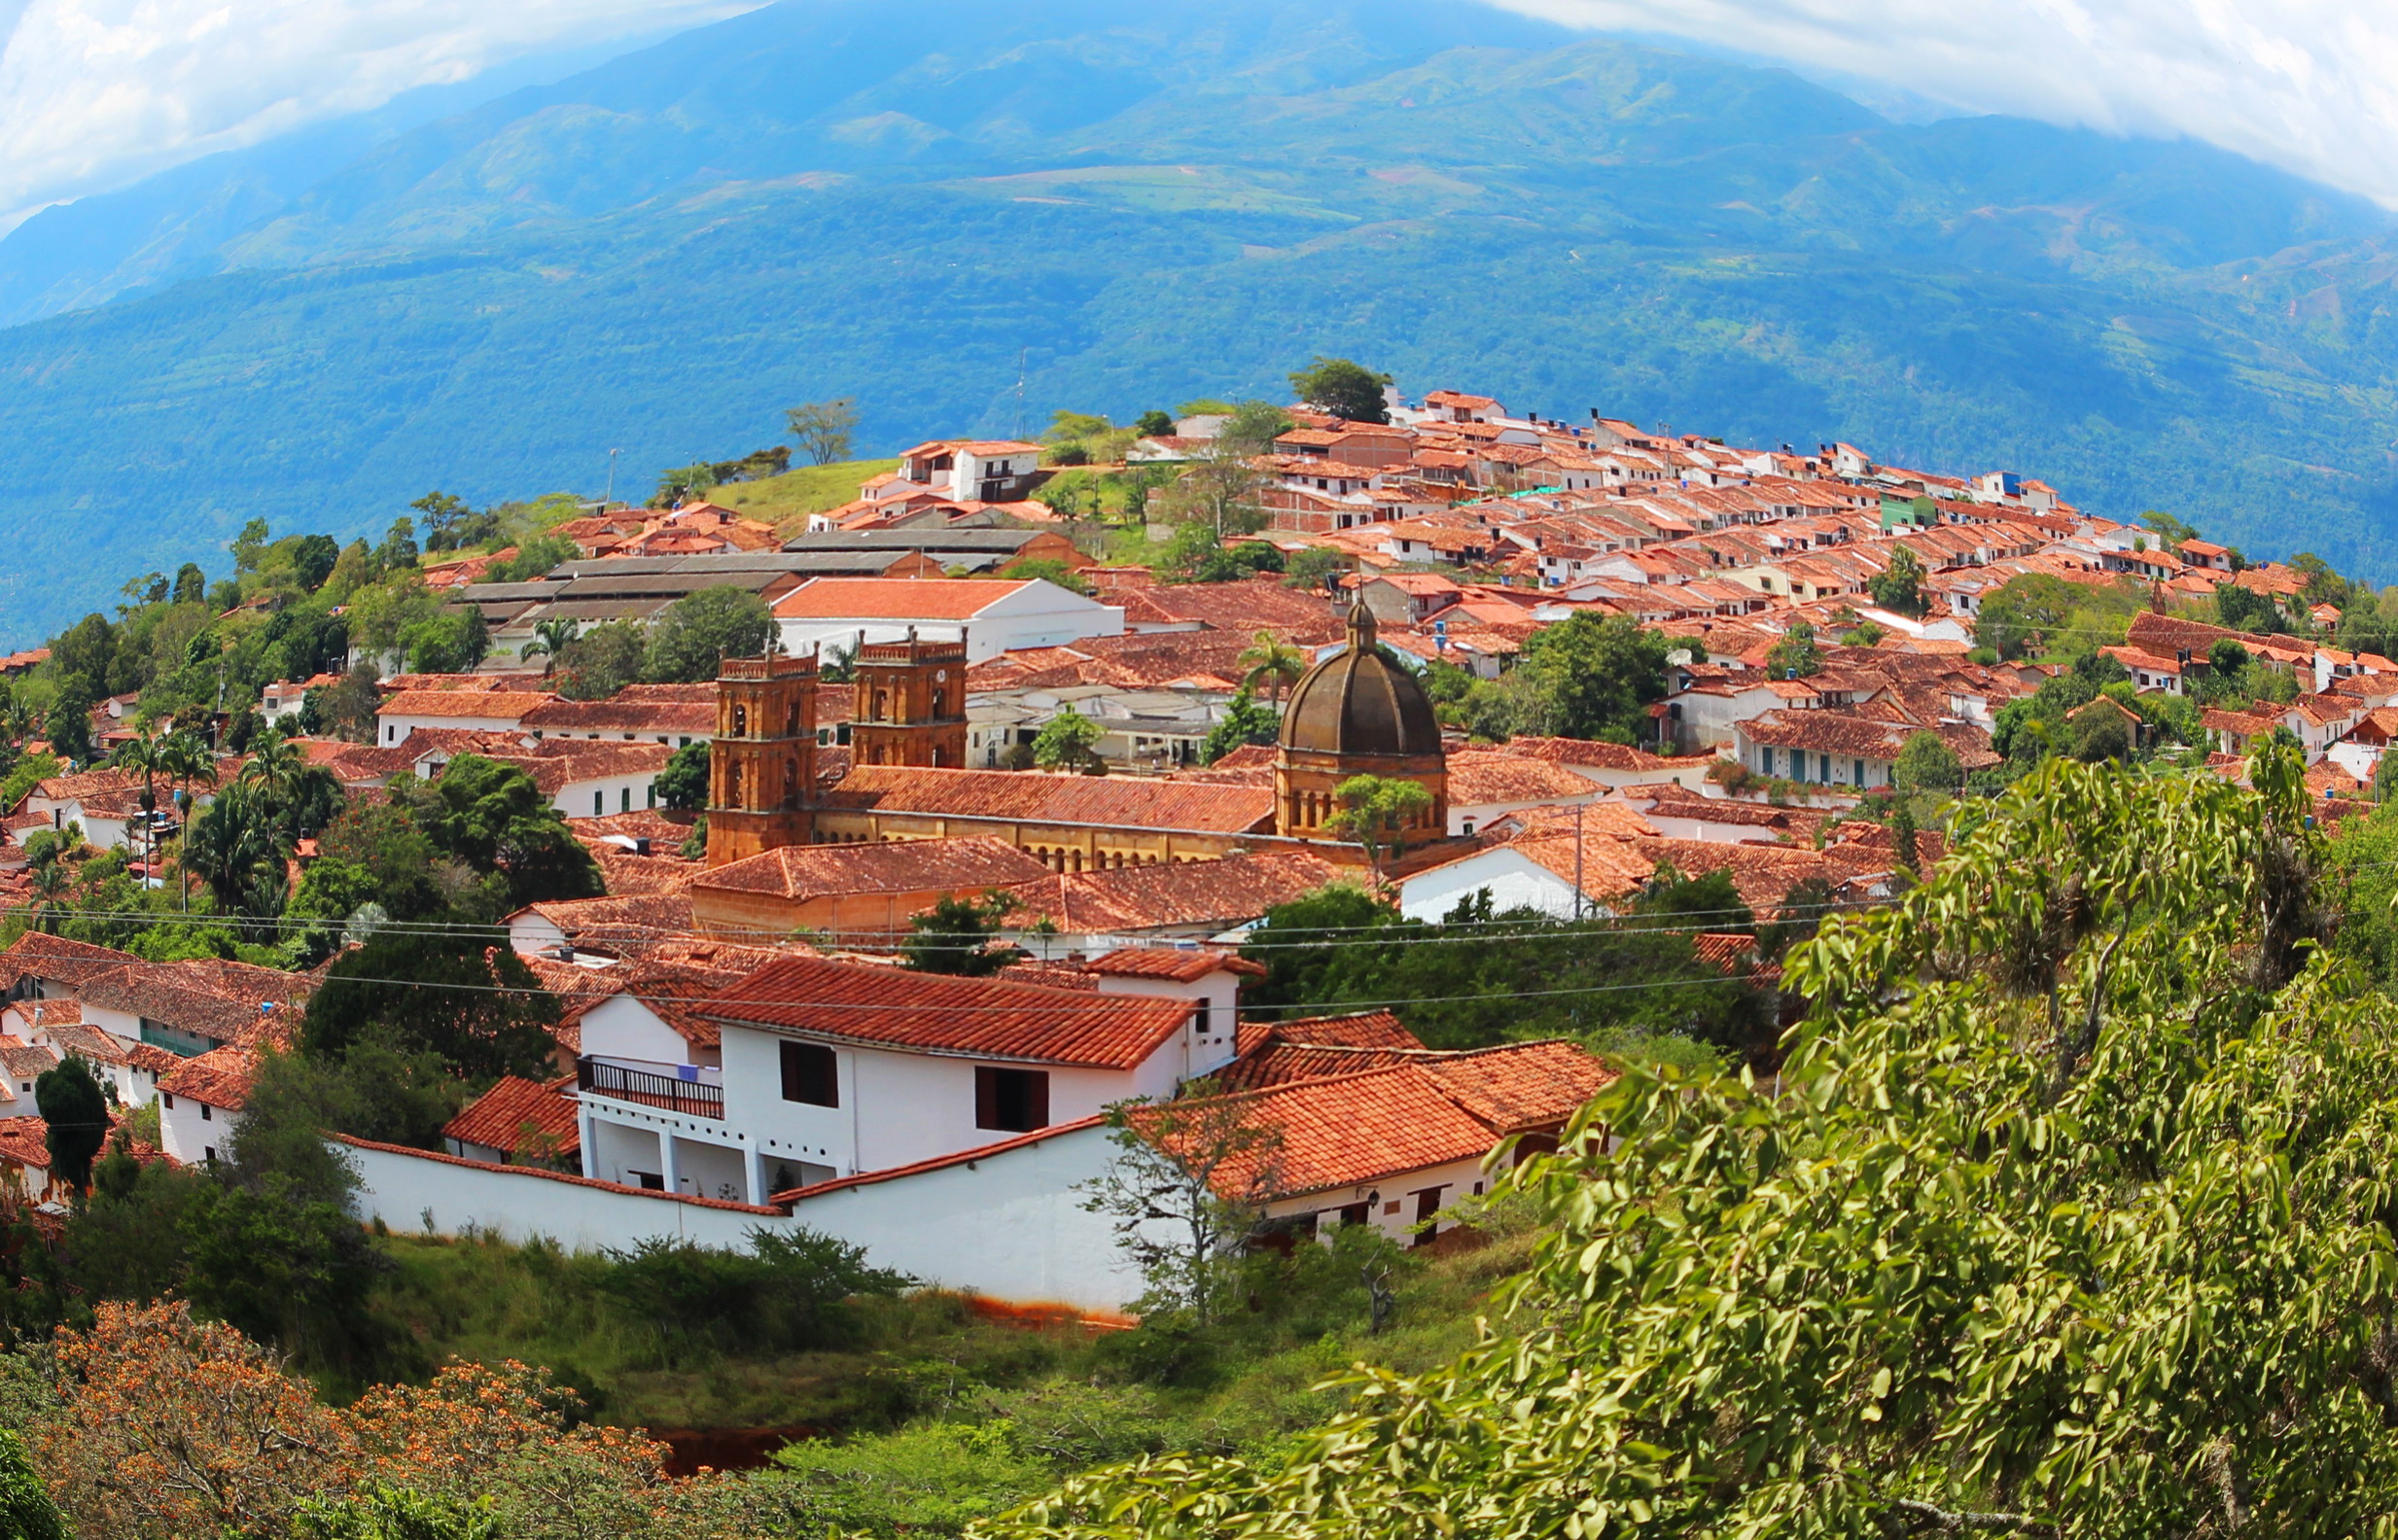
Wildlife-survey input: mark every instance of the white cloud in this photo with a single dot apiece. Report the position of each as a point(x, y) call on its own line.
point(2311, 86)
point(95, 93)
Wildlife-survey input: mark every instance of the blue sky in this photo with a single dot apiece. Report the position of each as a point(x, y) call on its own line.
point(96, 94)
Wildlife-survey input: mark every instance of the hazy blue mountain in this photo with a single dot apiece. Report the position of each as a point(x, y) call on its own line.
point(908, 203)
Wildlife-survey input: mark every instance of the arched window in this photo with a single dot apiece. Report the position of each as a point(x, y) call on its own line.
point(790, 783)
point(940, 701)
point(791, 721)
point(741, 721)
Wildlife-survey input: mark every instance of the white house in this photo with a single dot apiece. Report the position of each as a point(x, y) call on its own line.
point(201, 1102)
point(973, 470)
point(285, 697)
point(1485, 787)
point(825, 1070)
point(990, 615)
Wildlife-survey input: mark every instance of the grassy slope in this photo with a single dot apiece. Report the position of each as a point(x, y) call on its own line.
point(483, 1300)
point(785, 501)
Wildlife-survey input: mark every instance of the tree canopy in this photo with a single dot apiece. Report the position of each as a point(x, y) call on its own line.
point(2069, 1216)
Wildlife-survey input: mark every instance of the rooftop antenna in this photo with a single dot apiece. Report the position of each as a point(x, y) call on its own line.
point(1023, 357)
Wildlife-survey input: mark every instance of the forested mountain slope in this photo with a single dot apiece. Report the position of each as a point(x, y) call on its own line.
point(905, 203)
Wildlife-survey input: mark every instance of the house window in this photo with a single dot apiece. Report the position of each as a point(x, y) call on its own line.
point(1765, 761)
point(625, 800)
point(1202, 1019)
point(208, 1114)
point(648, 797)
point(208, 1153)
point(1860, 772)
point(169, 1101)
point(810, 1074)
point(1826, 777)
point(1011, 1100)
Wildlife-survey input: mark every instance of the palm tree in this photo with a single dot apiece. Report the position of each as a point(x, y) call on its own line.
point(1273, 662)
point(274, 766)
point(183, 756)
point(550, 638)
point(50, 886)
point(142, 754)
point(234, 849)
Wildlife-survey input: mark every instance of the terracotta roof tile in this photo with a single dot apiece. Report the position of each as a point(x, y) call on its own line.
point(515, 1114)
point(1102, 802)
point(1215, 895)
point(468, 705)
point(219, 1078)
point(1182, 964)
point(937, 1013)
point(800, 872)
point(893, 598)
point(1483, 780)
point(1353, 1130)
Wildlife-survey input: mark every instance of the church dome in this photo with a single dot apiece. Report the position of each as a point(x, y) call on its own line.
point(1361, 702)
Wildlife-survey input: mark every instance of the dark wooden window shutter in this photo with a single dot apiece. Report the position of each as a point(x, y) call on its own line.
point(986, 1099)
point(811, 1073)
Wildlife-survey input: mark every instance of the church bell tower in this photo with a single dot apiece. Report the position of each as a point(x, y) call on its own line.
point(761, 763)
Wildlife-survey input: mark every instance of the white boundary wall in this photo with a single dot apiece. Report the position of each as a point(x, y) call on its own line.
point(1007, 1224)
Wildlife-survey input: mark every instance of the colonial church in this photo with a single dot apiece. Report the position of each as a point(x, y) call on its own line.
point(1357, 712)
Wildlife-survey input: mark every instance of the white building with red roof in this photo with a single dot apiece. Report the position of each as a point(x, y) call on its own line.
point(991, 615)
point(812, 1070)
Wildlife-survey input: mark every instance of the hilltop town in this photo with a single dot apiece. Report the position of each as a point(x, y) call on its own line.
point(1069, 867)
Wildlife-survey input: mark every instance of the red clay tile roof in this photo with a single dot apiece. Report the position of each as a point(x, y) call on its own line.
point(1274, 1053)
point(893, 598)
point(513, 1114)
point(22, 1061)
point(1359, 1129)
point(1098, 801)
point(1215, 895)
point(1601, 756)
point(37, 955)
point(597, 923)
point(1182, 964)
point(939, 1014)
point(1483, 779)
point(671, 709)
point(468, 705)
point(799, 872)
point(219, 1078)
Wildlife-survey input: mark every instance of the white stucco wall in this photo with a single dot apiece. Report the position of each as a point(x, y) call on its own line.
point(1513, 880)
point(1009, 1226)
point(621, 1026)
point(898, 1109)
point(604, 795)
point(190, 1130)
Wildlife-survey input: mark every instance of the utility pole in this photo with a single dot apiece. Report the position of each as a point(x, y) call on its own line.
point(1024, 357)
point(608, 498)
point(1578, 860)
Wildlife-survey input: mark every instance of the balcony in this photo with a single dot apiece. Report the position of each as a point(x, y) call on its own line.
point(678, 1089)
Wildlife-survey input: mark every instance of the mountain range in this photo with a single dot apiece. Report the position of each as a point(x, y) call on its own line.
point(968, 215)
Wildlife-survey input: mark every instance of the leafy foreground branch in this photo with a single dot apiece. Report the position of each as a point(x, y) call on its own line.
point(2073, 1218)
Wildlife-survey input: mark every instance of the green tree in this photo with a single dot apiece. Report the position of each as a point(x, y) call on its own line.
point(683, 784)
point(682, 484)
point(467, 998)
point(1153, 424)
point(236, 848)
point(74, 1119)
point(1271, 662)
point(1590, 677)
point(452, 641)
point(1347, 390)
point(1185, 1191)
point(1065, 742)
point(1244, 722)
point(391, 1513)
point(697, 632)
point(1795, 655)
point(2246, 609)
point(1312, 568)
point(1899, 587)
point(190, 584)
point(955, 936)
point(250, 545)
point(1927, 763)
point(26, 1512)
point(823, 429)
point(1048, 570)
point(2062, 1219)
point(439, 515)
point(601, 661)
point(2024, 612)
point(1378, 811)
point(494, 819)
point(550, 637)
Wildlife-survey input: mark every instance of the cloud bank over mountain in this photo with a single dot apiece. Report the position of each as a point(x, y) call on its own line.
point(95, 93)
point(2308, 86)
